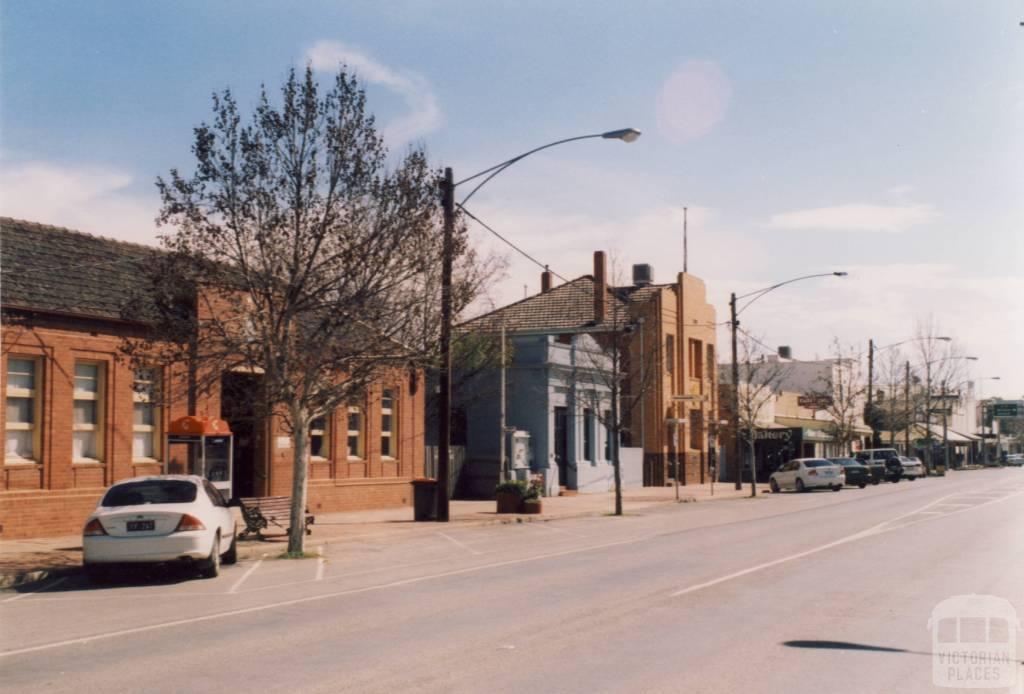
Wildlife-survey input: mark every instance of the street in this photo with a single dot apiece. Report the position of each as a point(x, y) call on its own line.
point(790, 592)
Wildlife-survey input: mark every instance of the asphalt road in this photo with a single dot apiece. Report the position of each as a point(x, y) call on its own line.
point(817, 592)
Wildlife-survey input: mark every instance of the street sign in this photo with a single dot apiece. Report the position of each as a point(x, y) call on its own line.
point(691, 398)
point(1005, 409)
point(814, 402)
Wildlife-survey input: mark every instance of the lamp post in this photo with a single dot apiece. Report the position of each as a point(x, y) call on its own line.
point(447, 186)
point(871, 376)
point(734, 325)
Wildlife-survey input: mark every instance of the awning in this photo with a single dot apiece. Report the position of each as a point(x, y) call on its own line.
point(919, 433)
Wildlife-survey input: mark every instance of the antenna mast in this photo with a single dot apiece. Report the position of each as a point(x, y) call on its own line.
point(684, 239)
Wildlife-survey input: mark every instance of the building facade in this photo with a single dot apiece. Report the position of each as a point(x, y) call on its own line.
point(78, 417)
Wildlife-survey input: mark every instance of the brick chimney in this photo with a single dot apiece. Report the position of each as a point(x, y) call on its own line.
point(600, 286)
point(545, 281)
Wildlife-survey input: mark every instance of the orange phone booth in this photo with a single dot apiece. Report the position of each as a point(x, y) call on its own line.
point(210, 447)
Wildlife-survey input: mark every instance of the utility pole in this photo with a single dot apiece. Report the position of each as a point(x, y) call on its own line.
point(445, 370)
point(928, 417)
point(869, 410)
point(735, 395)
point(504, 471)
point(906, 409)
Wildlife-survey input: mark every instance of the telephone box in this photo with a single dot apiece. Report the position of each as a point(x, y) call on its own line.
point(210, 448)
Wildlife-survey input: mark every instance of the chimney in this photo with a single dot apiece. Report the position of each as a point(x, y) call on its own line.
point(545, 281)
point(600, 286)
point(785, 352)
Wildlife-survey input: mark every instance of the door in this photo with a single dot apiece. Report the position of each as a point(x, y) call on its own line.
point(239, 394)
point(562, 444)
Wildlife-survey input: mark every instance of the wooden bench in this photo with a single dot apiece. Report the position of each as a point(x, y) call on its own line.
point(259, 512)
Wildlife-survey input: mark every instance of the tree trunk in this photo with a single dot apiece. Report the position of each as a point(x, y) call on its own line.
point(300, 471)
point(614, 430)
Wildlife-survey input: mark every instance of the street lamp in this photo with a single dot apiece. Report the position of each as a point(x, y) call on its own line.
point(734, 324)
point(448, 185)
point(871, 375)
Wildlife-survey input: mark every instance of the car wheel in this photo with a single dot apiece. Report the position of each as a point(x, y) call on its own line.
point(774, 486)
point(876, 481)
point(836, 488)
point(911, 479)
point(864, 484)
point(799, 484)
point(231, 556)
point(211, 567)
point(98, 573)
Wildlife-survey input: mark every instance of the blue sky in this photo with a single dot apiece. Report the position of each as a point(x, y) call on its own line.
point(882, 138)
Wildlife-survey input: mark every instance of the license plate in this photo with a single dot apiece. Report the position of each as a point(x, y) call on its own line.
point(135, 526)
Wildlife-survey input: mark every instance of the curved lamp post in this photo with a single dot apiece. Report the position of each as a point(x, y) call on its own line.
point(448, 185)
point(734, 324)
point(871, 374)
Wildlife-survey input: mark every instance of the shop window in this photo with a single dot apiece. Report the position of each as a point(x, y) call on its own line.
point(388, 413)
point(319, 440)
point(355, 432)
point(146, 415)
point(22, 407)
point(87, 436)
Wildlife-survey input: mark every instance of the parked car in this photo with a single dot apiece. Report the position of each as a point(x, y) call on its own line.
point(1015, 459)
point(163, 518)
point(857, 474)
point(802, 474)
point(912, 468)
point(884, 463)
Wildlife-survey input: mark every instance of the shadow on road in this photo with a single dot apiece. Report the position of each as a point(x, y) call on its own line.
point(848, 646)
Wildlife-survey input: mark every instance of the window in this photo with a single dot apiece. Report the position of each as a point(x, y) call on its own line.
point(670, 353)
point(87, 438)
point(696, 359)
point(146, 417)
point(696, 430)
point(22, 406)
point(588, 434)
point(318, 438)
point(387, 423)
point(355, 431)
point(711, 362)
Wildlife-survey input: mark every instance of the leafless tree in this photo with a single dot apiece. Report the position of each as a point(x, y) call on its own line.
point(841, 394)
point(298, 253)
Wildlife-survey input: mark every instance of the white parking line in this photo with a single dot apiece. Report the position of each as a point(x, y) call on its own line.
point(320, 562)
point(460, 544)
point(41, 589)
point(246, 575)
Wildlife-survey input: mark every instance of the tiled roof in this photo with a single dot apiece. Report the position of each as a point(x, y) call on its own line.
point(565, 307)
point(48, 268)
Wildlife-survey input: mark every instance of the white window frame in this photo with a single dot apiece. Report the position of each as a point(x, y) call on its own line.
point(96, 428)
point(31, 395)
point(145, 397)
point(324, 435)
point(360, 452)
point(390, 434)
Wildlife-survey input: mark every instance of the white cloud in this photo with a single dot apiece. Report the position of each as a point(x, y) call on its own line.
point(693, 100)
point(855, 217)
point(89, 198)
point(424, 114)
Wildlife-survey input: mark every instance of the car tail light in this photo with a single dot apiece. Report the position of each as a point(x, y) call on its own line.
point(188, 522)
point(93, 527)
point(812, 472)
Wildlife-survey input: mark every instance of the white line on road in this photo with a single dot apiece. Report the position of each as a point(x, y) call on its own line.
point(246, 575)
point(320, 563)
point(316, 598)
point(548, 526)
point(460, 544)
point(41, 589)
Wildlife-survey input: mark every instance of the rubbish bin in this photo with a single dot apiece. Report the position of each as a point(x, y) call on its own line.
point(424, 502)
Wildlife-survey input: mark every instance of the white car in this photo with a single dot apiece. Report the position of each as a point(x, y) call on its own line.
point(802, 474)
point(164, 518)
point(912, 468)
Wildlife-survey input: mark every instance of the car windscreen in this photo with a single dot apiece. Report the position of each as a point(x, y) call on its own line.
point(817, 463)
point(844, 461)
point(150, 492)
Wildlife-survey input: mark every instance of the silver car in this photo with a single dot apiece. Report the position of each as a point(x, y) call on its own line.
point(802, 474)
point(912, 468)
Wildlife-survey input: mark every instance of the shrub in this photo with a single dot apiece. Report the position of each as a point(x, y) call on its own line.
point(512, 487)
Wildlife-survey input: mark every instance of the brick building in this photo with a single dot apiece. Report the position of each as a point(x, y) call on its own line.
point(77, 417)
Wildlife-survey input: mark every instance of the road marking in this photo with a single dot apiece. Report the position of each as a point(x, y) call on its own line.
point(315, 598)
point(41, 589)
point(320, 563)
point(463, 545)
point(548, 526)
point(875, 530)
point(246, 575)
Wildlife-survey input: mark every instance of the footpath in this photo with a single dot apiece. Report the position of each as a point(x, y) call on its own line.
point(33, 560)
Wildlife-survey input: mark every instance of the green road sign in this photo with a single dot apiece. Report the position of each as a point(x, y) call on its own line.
point(1005, 409)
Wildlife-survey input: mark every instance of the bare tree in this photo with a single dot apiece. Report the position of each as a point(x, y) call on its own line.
point(940, 361)
point(299, 254)
point(840, 393)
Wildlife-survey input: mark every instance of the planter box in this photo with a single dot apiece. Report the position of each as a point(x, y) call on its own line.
point(508, 502)
point(532, 506)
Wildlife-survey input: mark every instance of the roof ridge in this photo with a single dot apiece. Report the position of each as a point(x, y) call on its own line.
point(517, 302)
point(42, 226)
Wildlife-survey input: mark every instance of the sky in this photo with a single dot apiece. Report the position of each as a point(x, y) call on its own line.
point(883, 139)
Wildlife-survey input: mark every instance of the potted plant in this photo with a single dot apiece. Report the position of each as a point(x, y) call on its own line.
point(509, 495)
point(532, 497)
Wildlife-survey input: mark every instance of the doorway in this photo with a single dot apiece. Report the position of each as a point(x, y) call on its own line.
point(562, 445)
point(238, 397)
